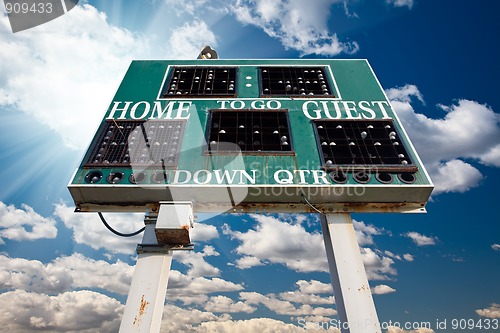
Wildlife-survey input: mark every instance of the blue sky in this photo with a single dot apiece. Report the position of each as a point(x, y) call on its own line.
point(437, 61)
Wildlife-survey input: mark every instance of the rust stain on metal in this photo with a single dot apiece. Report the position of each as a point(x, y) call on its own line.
point(142, 309)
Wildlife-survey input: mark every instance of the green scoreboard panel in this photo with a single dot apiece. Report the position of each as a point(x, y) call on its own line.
point(251, 135)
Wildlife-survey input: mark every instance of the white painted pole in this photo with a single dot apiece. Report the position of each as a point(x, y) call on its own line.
point(146, 297)
point(353, 297)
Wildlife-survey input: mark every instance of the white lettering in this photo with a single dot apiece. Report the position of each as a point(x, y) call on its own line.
point(177, 176)
point(223, 104)
point(366, 109)
point(115, 108)
point(287, 180)
point(249, 178)
point(302, 175)
point(197, 175)
point(144, 113)
point(241, 105)
point(350, 109)
point(182, 109)
point(225, 178)
point(159, 111)
point(382, 108)
point(305, 110)
point(338, 112)
point(254, 105)
point(319, 174)
point(269, 106)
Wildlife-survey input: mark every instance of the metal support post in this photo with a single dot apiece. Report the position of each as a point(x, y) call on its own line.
point(146, 297)
point(353, 297)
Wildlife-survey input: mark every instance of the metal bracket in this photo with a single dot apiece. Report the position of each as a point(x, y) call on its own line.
point(154, 248)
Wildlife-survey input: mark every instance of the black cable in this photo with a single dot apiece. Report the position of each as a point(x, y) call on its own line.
point(310, 205)
point(117, 232)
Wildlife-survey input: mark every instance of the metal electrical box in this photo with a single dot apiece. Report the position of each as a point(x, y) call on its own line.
point(251, 135)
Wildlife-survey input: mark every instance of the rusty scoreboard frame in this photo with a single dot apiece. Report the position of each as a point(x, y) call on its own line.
point(251, 135)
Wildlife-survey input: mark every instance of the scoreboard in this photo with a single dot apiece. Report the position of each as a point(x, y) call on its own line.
point(251, 135)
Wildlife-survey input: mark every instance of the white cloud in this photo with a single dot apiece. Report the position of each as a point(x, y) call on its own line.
point(225, 304)
point(24, 224)
point(365, 233)
point(63, 274)
point(420, 239)
point(186, 42)
point(89, 230)
point(307, 293)
point(283, 307)
point(303, 298)
point(248, 262)
point(65, 72)
point(196, 262)
point(287, 243)
point(382, 289)
point(377, 267)
point(404, 94)
point(408, 257)
point(76, 311)
point(469, 130)
point(296, 23)
point(496, 247)
point(455, 176)
point(203, 232)
point(261, 325)
point(186, 287)
point(492, 312)
point(400, 3)
point(176, 319)
point(189, 6)
point(392, 255)
point(314, 287)
point(273, 241)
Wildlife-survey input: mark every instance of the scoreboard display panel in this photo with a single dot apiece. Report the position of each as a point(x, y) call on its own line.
point(251, 135)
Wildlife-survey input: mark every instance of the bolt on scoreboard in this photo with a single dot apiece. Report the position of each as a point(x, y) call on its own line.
point(251, 135)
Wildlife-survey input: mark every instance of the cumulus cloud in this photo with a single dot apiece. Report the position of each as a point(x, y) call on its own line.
point(308, 293)
point(408, 257)
point(493, 311)
point(176, 319)
point(284, 307)
point(273, 241)
point(225, 304)
point(75, 311)
point(365, 233)
point(314, 287)
point(468, 130)
point(203, 232)
point(196, 262)
point(382, 289)
point(400, 3)
point(24, 224)
point(261, 325)
point(378, 267)
point(186, 6)
point(89, 230)
point(420, 239)
point(296, 23)
point(185, 42)
point(187, 288)
point(64, 274)
point(81, 54)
